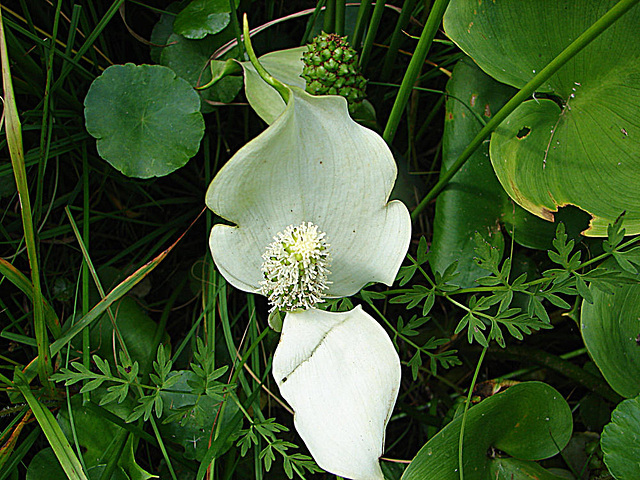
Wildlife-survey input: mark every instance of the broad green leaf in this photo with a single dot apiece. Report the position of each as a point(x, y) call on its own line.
point(193, 429)
point(544, 154)
point(95, 433)
point(474, 201)
point(203, 17)
point(610, 329)
point(529, 421)
point(621, 441)
point(502, 468)
point(147, 121)
point(45, 466)
point(189, 59)
point(136, 328)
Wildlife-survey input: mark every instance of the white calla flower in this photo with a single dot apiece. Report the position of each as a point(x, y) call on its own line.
point(341, 374)
point(313, 164)
point(309, 202)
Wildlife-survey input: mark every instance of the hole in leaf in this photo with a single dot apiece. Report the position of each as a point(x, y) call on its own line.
point(523, 132)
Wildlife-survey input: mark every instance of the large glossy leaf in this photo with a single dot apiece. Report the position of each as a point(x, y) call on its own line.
point(529, 421)
point(203, 17)
point(146, 120)
point(514, 469)
point(45, 466)
point(610, 329)
point(474, 201)
point(621, 441)
point(544, 154)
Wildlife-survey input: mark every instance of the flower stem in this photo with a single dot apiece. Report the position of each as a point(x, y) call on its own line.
point(567, 54)
point(277, 84)
point(415, 66)
point(371, 33)
point(464, 415)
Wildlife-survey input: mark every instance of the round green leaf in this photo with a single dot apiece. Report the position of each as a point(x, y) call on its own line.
point(611, 328)
point(551, 153)
point(202, 17)
point(146, 120)
point(621, 441)
point(529, 421)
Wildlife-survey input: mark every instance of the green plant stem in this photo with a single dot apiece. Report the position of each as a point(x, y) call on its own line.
point(396, 37)
point(46, 127)
point(464, 414)
point(13, 130)
point(364, 10)
point(339, 17)
point(329, 23)
point(415, 66)
point(237, 31)
point(279, 86)
point(86, 344)
point(311, 22)
point(371, 33)
point(567, 54)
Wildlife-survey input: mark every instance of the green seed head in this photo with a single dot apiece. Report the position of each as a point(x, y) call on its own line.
point(331, 68)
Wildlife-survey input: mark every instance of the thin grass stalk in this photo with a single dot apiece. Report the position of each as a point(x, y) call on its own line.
point(415, 66)
point(91, 38)
point(529, 89)
point(13, 131)
point(371, 32)
point(329, 23)
point(396, 37)
point(47, 126)
point(339, 17)
point(364, 12)
point(86, 344)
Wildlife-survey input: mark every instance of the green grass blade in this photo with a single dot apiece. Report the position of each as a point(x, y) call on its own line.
point(59, 443)
point(13, 131)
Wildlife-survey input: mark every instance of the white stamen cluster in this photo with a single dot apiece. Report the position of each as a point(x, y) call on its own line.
point(295, 268)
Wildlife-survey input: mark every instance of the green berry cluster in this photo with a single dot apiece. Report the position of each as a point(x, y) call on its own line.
point(331, 68)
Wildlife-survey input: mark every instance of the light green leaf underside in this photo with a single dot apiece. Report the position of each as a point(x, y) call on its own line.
point(621, 441)
point(529, 421)
point(610, 328)
point(146, 121)
point(587, 154)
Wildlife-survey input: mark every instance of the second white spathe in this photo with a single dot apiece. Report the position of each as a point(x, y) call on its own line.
point(341, 374)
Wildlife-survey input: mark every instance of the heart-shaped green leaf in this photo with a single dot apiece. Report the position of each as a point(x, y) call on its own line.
point(553, 152)
point(621, 441)
point(611, 328)
point(474, 200)
point(146, 120)
point(529, 421)
point(203, 17)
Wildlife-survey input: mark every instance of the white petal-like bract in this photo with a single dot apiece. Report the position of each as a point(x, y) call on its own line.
point(340, 373)
point(313, 164)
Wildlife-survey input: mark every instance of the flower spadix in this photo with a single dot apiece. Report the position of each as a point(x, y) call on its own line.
point(308, 200)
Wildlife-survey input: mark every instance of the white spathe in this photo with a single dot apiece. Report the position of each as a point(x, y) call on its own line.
point(313, 164)
point(340, 373)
